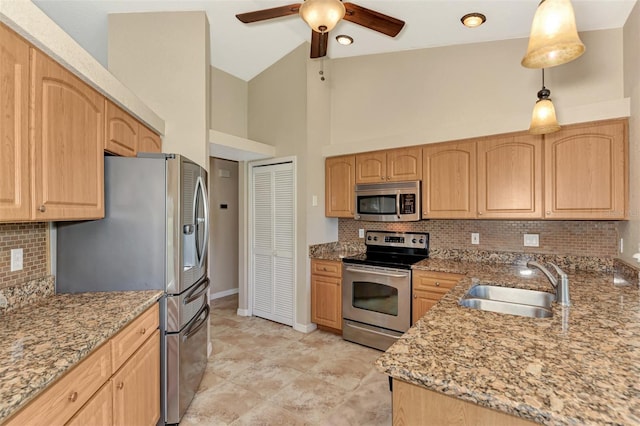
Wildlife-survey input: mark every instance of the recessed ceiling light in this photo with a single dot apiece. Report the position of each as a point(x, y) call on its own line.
point(344, 39)
point(472, 20)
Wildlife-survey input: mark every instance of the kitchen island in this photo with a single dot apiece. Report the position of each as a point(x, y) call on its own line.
point(45, 340)
point(582, 366)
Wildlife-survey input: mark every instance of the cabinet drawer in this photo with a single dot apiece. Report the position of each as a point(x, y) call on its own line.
point(125, 343)
point(63, 398)
point(330, 268)
point(438, 282)
point(99, 409)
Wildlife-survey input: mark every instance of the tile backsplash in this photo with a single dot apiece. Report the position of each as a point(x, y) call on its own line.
point(572, 238)
point(32, 239)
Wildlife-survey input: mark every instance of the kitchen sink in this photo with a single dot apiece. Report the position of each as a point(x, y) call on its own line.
point(509, 300)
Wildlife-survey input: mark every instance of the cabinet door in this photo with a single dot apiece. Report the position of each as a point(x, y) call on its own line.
point(586, 172)
point(326, 301)
point(422, 302)
point(122, 132)
point(510, 177)
point(340, 174)
point(136, 392)
point(98, 411)
point(371, 167)
point(449, 184)
point(68, 140)
point(14, 127)
point(404, 164)
point(428, 288)
point(149, 141)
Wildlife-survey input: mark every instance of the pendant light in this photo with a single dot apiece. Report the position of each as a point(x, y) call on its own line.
point(554, 38)
point(322, 15)
point(543, 119)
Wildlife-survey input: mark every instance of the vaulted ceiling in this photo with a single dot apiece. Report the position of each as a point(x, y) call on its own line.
point(245, 50)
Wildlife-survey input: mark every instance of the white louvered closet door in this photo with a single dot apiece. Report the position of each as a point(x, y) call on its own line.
point(273, 242)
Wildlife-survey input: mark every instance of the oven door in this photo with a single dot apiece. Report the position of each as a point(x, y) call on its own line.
point(377, 296)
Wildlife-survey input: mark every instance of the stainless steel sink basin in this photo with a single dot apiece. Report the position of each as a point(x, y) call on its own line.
point(509, 300)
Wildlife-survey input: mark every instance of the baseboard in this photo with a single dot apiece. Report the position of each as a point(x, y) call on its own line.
point(304, 328)
point(243, 312)
point(224, 293)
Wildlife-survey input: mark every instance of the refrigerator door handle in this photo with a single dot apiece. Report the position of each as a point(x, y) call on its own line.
point(200, 191)
point(194, 295)
point(195, 326)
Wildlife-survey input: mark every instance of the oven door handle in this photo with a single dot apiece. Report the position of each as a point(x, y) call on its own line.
point(384, 274)
point(370, 331)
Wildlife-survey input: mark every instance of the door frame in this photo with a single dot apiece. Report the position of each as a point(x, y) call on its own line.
point(250, 284)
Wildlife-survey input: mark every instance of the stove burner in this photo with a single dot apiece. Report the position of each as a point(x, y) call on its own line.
point(392, 249)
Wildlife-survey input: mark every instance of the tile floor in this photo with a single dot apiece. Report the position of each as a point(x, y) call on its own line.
point(264, 373)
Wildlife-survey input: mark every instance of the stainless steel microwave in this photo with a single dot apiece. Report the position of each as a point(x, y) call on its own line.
point(388, 202)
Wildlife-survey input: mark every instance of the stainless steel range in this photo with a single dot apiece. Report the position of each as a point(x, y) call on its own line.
point(376, 287)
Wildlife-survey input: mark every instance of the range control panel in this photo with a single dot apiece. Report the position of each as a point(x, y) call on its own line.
point(397, 239)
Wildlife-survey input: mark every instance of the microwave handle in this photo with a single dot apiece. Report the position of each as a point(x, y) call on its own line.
point(398, 205)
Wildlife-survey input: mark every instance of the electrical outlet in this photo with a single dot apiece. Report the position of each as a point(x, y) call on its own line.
point(3, 301)
point(531, 240)
point(475, 238)
point(361, 233)
point(16, 260)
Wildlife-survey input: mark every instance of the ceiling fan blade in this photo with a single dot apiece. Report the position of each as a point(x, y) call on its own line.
point(319, 43)
point(373, 20)
point(275, 12)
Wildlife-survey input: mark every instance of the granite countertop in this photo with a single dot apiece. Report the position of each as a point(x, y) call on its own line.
point(582, 366)
point(40, 342)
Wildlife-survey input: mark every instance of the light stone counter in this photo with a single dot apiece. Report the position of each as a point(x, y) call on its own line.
point(580, 367)
point(42, 341)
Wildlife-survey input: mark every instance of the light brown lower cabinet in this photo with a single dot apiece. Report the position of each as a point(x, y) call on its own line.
point(326, 294)
point(428, 288)
point(92, 393)
point(414, 405)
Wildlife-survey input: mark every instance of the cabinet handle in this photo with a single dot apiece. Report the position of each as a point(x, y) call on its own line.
point(120, 385)
point(42, 208)
point(73, 396)
point(437, 283)
point(143, 331)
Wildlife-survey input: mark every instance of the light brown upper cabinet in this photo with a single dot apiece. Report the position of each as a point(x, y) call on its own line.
point(388, 166)
point(68, 140)
point(122, 132)
point(148, 141)
point(15, 197)
point(586, 174)
point(510, 177)
point(340, 174)
point(449, 183)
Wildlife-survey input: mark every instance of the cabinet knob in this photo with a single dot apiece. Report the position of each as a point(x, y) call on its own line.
point(382, 177)
point(73, 396)
point(437, 283)
point(120, 385)
point(480, 213)
point(548, 212)
point(143, 331)
point(42, 208)
point(415, 296)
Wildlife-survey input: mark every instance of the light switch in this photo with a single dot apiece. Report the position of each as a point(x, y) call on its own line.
point(314, 200)
point(475, 238)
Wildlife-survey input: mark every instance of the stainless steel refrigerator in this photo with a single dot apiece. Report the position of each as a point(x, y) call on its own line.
point(154, 236)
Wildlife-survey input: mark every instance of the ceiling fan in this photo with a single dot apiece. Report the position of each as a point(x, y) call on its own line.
point(323, 15)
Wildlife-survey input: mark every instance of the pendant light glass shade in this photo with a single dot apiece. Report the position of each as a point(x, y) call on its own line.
point(543, 119)
point(322, 15)
point(554, 38)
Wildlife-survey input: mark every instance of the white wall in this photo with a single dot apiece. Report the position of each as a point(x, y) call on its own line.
point(164, 58)
point(447, 93)
point(223, 254)
point(630, 231)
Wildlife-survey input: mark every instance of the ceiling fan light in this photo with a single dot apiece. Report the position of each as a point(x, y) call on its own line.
point(344, 39)
point(554, 38)
point(322, 15)
point(472, 20)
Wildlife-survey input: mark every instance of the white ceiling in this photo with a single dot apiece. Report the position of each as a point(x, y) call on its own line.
point(245, 50)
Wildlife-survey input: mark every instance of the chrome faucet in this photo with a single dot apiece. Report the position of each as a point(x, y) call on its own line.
point(562, 288)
